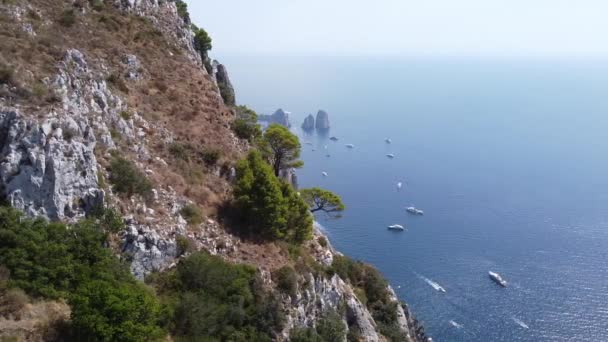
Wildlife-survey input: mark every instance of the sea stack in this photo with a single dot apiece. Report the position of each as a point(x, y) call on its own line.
point(280, 117)
point(322, 121)
point(309, 123)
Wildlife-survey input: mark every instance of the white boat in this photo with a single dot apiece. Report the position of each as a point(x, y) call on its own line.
point(324, 174)
point(396, 227)
point(350, 145)
point(333, 139)
point(399, 185)
point(308, 143)
point(388, 140)
point(497, 279)
point(390, 155)
point(415, 211)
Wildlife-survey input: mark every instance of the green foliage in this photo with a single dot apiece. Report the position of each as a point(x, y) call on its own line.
point(304, 335)
point(202, 41)
point(192, 214)
point(106, 311)
point(211, 299)
point(6, 74)
point(97, 5)
point(322, 241)
point(210, 156)
point(246, 126)
point(371, 288)
point(184, 245)
point(67, 18)
point(281, 148)
point(331, 328)
point(107, 219)
point(125, 115)
point(53, 260)
point(271, 207)
point(182, 10)
point(322, 200)
point(128, 180)
point(181, 151)
point(287, 280)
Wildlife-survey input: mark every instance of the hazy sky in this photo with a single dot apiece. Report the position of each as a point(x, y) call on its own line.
point(536, 28)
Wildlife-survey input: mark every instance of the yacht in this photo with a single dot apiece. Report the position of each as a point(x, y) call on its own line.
point(396, 227)
point(350, 145)
point(324, 174)
point(333, 139)
point(497, 279)
point(415, 211)
point(390, 155)
point(388, 140)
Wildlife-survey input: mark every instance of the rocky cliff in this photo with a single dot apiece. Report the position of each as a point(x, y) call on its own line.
point(133, 86)
point(309, 123)
point(322, 122)
point(280, 117)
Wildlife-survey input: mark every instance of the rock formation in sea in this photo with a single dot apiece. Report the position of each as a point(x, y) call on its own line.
point(309, 123)
point(322, 121)
point(280, 117)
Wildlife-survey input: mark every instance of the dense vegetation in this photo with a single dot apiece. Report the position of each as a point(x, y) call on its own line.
point(127, 179)
point(52, 260)
point(271, 208)
point(281, 148)
point(372, 290)
point(246, 126)
point(208, 298)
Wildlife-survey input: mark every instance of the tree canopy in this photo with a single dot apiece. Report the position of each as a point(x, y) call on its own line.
point(270, 206)
point(282, 148)
point(246, 126)
point(322, 200)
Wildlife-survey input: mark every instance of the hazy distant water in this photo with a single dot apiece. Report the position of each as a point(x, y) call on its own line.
point(509, 161)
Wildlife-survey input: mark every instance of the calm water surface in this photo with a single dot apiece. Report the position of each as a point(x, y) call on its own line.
point(508, 159)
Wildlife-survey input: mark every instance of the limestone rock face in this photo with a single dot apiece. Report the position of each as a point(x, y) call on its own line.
point(149, 250)
point(309, 123)
point(322, 121)
point(49, 168)
point(280, 117)
point(223, 83)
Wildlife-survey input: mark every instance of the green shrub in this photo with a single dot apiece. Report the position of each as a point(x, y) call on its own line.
point(107, 219)
point(182, 10)
point(271, 207)
point(52, 260)
point(287, 280)
point(128, 180)
point(125, 115)
point(97, 5)
point(331, 327)
point(67, 18)
point(6, 74)
point(217, 300)
point(181, 151)
point(184, 245)
point(202, 41)
point(210, 156)
point(192, 214)
point(304, 335)
point(322, 241)
point(245, 125)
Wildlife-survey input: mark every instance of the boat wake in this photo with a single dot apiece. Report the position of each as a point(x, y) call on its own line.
point(455, 325)
point(433, 284)
point(520, 323)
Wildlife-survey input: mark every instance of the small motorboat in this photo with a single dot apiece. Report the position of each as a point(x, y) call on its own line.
point(497, 279)
point(333, 139)
point(399, 185)
point(414, 210)
point(388, 140)
point(396, 227)
point(390, 155)
point(350, 145)
point(324, 174)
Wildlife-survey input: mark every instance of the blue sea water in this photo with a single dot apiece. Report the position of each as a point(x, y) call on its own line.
point(508, 159)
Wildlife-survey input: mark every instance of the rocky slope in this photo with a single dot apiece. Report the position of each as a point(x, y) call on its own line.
point(134, 86)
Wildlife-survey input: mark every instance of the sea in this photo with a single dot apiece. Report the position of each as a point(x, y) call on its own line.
point(508, 158)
